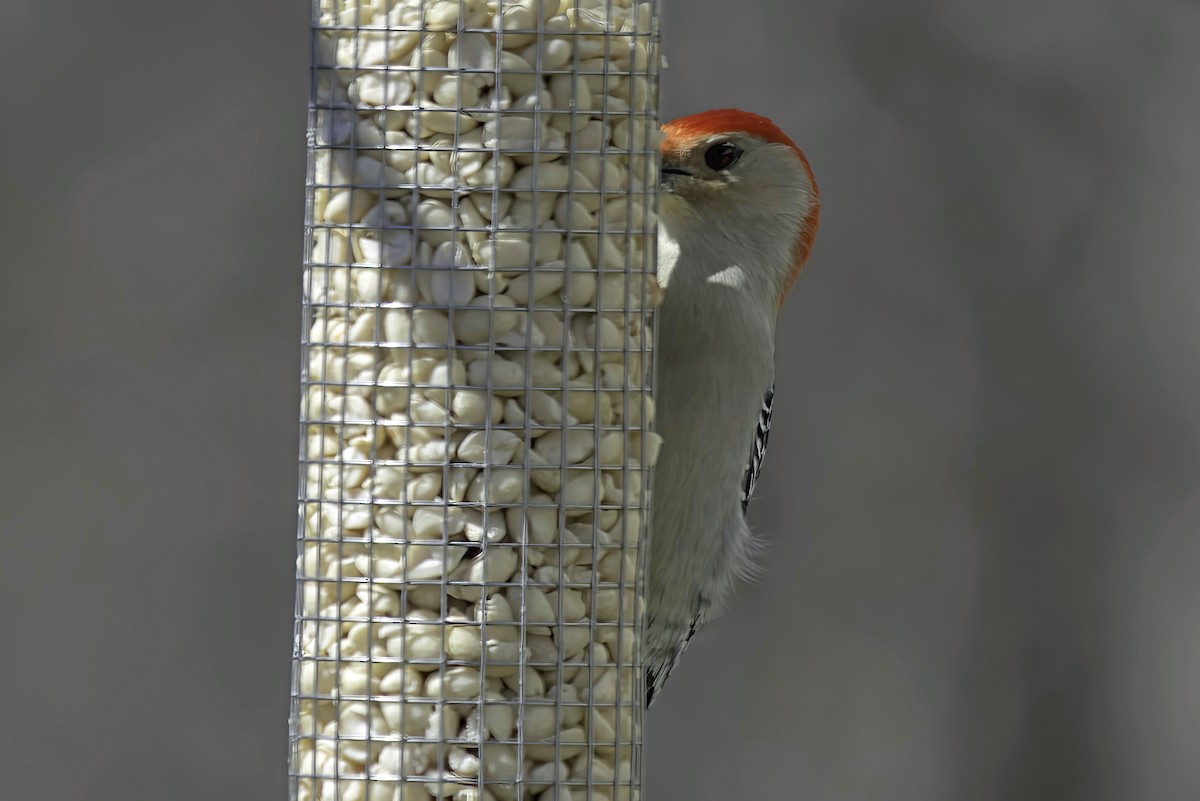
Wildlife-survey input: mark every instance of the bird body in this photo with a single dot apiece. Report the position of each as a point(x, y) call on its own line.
point(738, 211)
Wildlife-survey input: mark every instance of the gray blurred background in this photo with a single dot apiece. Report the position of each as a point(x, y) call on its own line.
point(983, 493)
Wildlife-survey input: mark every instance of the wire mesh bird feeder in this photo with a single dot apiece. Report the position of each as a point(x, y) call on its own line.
point(480, 241)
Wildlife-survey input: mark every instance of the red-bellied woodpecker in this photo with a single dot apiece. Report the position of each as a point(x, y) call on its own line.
point(738, 213)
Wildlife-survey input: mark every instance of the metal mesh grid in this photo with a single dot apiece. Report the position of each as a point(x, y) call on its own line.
point(475, 427)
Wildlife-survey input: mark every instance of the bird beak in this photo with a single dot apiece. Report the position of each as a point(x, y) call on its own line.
point(670, 176)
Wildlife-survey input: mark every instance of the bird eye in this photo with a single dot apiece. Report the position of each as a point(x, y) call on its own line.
point(722, 156)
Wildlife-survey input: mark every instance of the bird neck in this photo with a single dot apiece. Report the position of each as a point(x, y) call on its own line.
point(739, 259)
point(729, 273)
point(719, 307)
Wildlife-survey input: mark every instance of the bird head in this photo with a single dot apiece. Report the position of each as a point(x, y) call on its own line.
point(737, 173)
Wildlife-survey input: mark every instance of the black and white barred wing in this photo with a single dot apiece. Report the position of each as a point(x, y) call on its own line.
point(758, 449)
